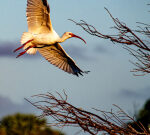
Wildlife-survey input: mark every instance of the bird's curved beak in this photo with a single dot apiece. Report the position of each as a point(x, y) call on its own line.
point(73, 35)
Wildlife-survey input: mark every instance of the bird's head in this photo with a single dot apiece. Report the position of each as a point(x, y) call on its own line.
point(70, 35)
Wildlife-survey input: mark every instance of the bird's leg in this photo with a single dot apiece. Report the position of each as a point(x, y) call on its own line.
point(23, 45)
point(22, 53)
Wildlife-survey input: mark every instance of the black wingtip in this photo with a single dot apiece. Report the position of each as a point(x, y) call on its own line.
point(81, 73)
point(45, 3)
point(86, 72)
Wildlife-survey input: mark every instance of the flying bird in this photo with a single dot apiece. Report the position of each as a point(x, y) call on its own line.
point(42, 37)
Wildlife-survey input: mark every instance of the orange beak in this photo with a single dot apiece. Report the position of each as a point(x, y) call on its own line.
point(73, 35)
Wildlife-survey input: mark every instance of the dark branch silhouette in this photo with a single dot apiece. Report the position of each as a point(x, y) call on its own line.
point(128, 38)
point(65, 114)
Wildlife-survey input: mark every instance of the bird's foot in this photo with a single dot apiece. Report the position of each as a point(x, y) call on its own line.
point(23, 45)
point(22, 53)
point(19, 48)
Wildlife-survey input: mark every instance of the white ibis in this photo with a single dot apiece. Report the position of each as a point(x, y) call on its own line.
point(42, 37)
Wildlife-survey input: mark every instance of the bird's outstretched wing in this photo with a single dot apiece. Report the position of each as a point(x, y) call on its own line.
point(38, 16)
point(56, 55)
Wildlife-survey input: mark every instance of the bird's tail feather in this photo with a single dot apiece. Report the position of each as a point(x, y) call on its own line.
point(26, 36)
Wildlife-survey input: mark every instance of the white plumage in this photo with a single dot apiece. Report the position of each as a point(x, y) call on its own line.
point(42, 37)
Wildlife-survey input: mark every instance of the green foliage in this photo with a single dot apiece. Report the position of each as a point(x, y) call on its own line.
point(25, 124)
point(143, 117)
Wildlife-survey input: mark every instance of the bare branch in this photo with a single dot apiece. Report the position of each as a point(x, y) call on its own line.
point(143, 64)
point(128, 38)
point(65, 114)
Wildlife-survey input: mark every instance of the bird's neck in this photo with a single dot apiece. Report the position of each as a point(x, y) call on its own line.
point(62, 39)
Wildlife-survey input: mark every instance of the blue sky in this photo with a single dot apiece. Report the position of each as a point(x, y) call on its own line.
point(110, 80)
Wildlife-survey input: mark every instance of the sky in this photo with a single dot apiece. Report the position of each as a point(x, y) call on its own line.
point(110, 80)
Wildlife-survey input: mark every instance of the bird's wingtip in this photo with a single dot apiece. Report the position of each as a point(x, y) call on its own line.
point(81, 73)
